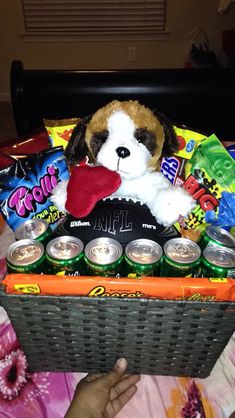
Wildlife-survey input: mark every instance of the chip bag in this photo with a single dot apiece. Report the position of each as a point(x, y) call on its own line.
point(60, 130)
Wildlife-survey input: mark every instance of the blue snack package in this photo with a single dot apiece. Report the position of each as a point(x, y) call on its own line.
point(26, 187)
point(226, 211)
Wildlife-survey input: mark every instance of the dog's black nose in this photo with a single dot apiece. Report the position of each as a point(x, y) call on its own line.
point(122, 152)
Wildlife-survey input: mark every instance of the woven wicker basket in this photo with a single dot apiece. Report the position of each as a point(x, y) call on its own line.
point(64, 333)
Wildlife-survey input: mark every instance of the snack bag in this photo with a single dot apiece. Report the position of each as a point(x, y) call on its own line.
point(26, 187)
point(208, 173)
point(60, 130)
point(226, 212)
point(174, 167)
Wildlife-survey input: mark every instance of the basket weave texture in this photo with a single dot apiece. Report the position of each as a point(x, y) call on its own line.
point(80, 334)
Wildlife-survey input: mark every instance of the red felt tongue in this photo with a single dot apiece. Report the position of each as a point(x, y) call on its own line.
point(87, 185)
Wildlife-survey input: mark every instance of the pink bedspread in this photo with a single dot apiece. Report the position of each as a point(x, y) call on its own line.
point(48, 395)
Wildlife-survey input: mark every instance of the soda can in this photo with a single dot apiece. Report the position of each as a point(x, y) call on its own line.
point(215, 235)
point(103, 257)
point(218, 262)
point(181, 258)
point(65, 256)
point(25, 256)
point(37, 229)
point(142, 258)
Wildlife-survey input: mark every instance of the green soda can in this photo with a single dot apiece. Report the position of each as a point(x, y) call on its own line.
point(65, 256)
point(215, 235)
point(25, 256)
point(181, 258)
point(142, 258)
point(103, 257)
point(218, 262)
point(37, 229)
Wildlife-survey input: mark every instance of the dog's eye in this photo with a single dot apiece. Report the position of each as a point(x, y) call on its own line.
point(97, 141)
point(140, 135)
point(140, 139)
point(147, 138)
point(101, 136)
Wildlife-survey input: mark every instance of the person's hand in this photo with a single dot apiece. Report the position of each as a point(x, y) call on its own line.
point(103, 396)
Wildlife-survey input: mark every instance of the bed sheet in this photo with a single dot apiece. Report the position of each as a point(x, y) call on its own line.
point(48, 395)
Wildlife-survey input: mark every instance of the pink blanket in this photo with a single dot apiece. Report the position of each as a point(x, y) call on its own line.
point(48, 395)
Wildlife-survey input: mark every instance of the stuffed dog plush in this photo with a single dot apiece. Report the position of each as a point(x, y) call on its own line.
point(127, 140)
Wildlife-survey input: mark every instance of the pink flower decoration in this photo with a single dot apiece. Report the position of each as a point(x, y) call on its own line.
point(13, 375)
point(193, 407)
point(35, 395)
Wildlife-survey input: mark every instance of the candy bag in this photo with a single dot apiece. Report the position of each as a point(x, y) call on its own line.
point(208, 173)
point(226, 212)
point(26, 187)
point(174, 167)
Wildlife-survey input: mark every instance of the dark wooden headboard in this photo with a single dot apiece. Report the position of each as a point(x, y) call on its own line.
point(202, 99)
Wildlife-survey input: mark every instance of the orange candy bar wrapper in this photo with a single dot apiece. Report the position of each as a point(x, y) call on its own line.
point(200, 289)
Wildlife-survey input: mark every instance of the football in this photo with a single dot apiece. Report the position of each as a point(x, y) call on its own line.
point(121, 219)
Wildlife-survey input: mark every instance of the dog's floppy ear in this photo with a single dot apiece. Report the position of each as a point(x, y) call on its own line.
point(77, 149)
point(171, 143)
